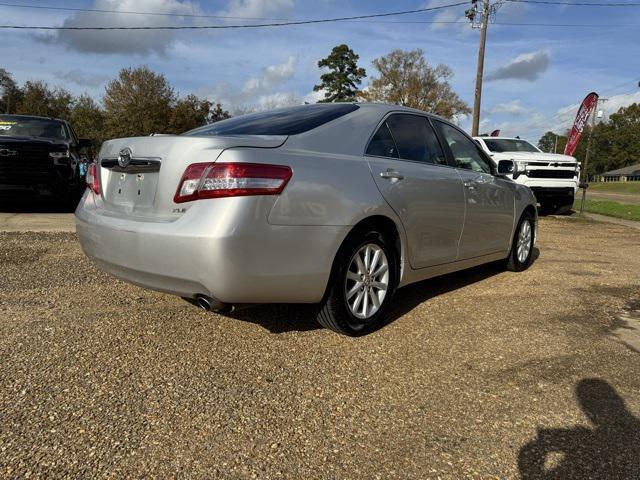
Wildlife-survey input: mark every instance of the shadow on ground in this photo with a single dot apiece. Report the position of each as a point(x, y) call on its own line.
point(608, 450)
point(284, 318)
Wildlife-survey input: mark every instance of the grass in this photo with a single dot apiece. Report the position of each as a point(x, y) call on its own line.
point(616, 187)
point(612, 209)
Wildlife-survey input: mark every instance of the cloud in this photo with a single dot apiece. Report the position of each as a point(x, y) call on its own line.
point(118, 41)
point(81, 78)
point(448, 18)
point(260, 92)
point(270, 77)
point(256, 8)
point(513, 107)
point(535, 123)
point(528, 66)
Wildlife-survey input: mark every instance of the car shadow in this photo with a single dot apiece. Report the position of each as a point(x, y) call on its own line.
point(608, 449)
point(279, 317)
point(283, 318)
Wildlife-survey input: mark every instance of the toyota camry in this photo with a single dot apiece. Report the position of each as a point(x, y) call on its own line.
point(332, 204)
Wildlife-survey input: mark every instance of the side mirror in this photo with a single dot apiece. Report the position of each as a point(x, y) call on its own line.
point(85, 143)
point(506, 167)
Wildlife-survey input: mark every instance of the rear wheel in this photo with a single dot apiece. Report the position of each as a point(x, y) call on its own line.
point(362, 285)
point(521, 254)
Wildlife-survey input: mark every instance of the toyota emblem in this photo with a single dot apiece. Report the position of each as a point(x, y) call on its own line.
point(124, 157)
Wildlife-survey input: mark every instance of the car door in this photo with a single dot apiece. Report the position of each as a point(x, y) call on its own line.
point(411, 171)
point(490, 200)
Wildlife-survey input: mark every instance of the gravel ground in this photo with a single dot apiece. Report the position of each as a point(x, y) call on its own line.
point(482, 374)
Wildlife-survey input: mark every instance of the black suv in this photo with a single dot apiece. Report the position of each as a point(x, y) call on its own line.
point(41, 156)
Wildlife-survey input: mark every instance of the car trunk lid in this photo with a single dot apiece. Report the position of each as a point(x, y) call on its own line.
point(139, 175)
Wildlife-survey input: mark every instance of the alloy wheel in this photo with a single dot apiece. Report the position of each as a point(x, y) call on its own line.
point(367, 281)
point(525, 240)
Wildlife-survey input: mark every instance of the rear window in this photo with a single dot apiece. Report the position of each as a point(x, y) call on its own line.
point(283, 121)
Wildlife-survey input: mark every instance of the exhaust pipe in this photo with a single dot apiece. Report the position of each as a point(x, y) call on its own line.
point(212, 305)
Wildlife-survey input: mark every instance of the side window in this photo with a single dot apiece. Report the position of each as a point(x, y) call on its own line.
point(382, 144)
point(415, 139)
point(465, 152)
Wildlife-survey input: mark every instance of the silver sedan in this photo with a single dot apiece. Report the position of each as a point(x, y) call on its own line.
point(334, 204)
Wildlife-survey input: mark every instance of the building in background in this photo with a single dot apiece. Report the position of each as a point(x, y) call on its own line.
point(630, 173)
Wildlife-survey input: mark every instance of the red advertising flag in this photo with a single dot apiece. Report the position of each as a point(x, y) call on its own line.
point(588, 104)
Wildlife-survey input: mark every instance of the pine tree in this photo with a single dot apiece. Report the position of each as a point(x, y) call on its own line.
point(340, 83)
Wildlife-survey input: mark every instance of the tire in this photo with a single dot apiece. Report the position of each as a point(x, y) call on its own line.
point(547, 207)
point(72, 198)
point(517, 260)
point(564, 209)
point(557, 206)
point(351, 279)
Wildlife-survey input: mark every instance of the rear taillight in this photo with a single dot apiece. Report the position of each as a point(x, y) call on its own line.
point(93, 178)
point(215, 180)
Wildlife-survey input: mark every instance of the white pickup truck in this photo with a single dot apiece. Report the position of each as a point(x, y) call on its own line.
point(553, 178)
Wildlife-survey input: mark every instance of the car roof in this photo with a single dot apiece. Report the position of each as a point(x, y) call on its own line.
point(388, 107)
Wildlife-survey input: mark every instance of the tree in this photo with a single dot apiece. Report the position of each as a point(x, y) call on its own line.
point(38, 98)
point(139, 102)
point(218, 113)
point(10, 93)
point(189, 113)
point(623, 135)
point(88, 119)
point(407, 79)
point(547, 142)
point(340, 83)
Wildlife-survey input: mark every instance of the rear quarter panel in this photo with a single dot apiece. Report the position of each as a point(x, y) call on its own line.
point(325, 188)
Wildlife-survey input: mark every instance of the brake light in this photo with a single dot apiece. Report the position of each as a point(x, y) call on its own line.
point(215, 180)
point(93, 178)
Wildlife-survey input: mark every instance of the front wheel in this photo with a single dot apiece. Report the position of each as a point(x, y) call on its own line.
point(557, 206)
point(362, 285)
point(521, 254)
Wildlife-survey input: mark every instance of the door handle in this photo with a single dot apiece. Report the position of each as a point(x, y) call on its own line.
point(392, 175)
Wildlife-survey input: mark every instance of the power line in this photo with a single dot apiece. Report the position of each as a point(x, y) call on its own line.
point(455, 22)
point(255, 25)
point(160, 14)
point(620, 86)
point(285, 21)
point(511, 24)
point(581, 4)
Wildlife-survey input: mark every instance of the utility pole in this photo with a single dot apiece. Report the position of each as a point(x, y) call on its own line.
point(484, 22)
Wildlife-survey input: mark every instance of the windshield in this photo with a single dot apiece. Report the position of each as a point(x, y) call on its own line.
point(283, 121)
point(17, 126)
point(509, 145)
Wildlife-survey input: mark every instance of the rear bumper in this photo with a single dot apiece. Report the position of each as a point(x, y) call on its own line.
point(223, 248)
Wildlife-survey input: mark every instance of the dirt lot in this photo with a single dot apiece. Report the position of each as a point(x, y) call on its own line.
point(482, 374)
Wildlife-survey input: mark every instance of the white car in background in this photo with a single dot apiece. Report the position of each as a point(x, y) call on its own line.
point(554, 178)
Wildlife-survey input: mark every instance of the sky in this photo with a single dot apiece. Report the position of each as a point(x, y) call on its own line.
point(535, 76)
